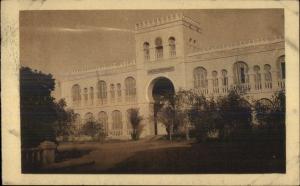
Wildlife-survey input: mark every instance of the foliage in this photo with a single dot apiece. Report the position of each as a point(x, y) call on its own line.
point(64, 125)
point(272, 115)
point(204, 116)
point(38, 109)
point(95, 129)
point(236, 116)
point(166, 116)
point(135, 121)
point(226, 117)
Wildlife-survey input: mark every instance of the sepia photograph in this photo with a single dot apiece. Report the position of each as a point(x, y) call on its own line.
point(152, 91)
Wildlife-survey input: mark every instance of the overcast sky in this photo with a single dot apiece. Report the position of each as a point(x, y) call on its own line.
point(60, 41)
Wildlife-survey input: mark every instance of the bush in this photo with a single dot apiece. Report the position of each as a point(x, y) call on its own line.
point(135, 121)
point(94, 129)
point(236, 117)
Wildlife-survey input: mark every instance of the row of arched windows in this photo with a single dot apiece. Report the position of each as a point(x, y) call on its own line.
point(115, 92)
point(116, 118)
point(240, 75)
point(159, 48)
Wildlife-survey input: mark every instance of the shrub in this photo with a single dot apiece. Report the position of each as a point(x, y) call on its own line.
point(135, 121)
point(94, 129)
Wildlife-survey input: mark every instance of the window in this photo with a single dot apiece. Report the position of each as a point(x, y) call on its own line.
point(103, 119)
point(281, 62)
point(102, 92)
point(112, 92)
point(117, 120)
point(85, 94)
point(224, 77)
point(268, 76)
point(119, 92)
point(89, 117)
point(215, 79)
point(172, 46)
point(240, 72)
point(92, 95)
point(257, 77)
point(200, 77)
point(76, 98)
point(158, 48)
point(130, 89)
point(146, 51)
point(129, 126)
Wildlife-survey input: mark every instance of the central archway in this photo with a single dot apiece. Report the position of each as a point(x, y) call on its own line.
point(160, 88)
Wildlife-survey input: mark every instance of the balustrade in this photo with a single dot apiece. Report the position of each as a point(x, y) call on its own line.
point(268, 84)
point(245, 87)
point(116, 132)
point(257, 86)
point(281, 84)
point(32, 156)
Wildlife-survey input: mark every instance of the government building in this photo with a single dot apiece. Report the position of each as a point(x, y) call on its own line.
point(169, 58)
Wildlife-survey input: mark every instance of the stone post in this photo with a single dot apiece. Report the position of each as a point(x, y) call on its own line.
point(48, 152)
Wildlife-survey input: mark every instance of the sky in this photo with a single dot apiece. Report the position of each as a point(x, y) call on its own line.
point(57, 42)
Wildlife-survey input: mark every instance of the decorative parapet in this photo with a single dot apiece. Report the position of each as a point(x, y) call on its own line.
point(241, 44)
point(167, 19)
point(111, 66)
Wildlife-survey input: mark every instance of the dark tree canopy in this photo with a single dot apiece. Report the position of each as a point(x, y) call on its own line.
point(38, 109)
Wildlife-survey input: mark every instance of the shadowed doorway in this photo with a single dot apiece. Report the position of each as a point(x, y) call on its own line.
point(162, 89)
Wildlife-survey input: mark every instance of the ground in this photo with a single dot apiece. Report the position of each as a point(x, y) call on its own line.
point(163, 156)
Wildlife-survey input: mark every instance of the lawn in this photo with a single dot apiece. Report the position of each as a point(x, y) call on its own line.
point(162, 156)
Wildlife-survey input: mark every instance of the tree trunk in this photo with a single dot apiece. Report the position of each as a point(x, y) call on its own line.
point(187, 133)
point(171, 131)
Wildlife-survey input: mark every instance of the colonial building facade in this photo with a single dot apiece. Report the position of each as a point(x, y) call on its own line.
point(169, 57)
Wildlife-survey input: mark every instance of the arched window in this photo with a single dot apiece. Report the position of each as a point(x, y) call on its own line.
point(224, 78)
point(92, 95)
point(117, 120)
point(281, 65)
point(172, 46)
point(112, 92)
point(76, 98)
point(146, 51)
point(85, 95)
point(119, 91)
point(240, 70)
point(88, 117)
point(102, 92)
point(130, 89)
point(257, 77)
point(200, 77)
point(129, 127)
point(103, 119)
point(215, 81)
point(268, 76)
point(215, 78)
point(159, 50)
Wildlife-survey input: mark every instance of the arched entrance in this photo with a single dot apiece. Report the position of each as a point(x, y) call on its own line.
point(160, 89)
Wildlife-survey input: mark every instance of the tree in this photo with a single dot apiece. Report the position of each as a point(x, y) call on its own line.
point(271, 118)
point(37, 107)
point(236, 114)
point(204, 116)
point(64, 125)
point(135, 121)
point(93, 128)
point(183, 99)
point(166, 115)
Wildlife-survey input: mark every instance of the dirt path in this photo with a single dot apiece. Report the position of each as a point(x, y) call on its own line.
point(107, 155)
